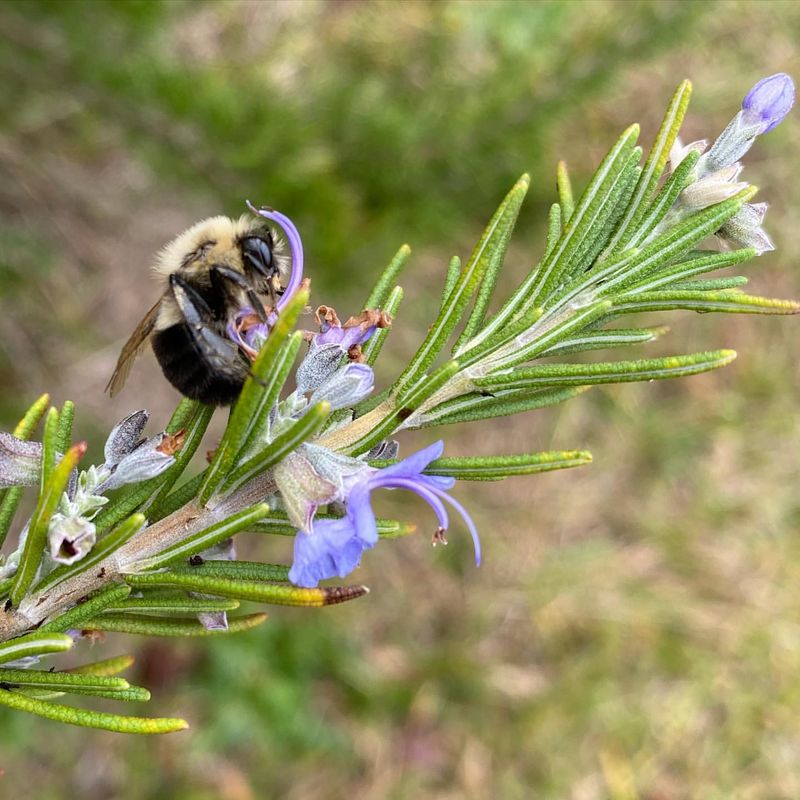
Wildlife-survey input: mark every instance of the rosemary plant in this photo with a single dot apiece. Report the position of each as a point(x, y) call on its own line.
point(135, 545)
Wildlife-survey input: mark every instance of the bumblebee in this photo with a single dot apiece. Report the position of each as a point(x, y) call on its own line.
point(209, 273)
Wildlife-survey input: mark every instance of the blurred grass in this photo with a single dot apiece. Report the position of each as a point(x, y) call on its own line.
point(633, 632)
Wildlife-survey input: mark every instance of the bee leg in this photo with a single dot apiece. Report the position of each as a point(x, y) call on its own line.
point(218, 351)
point(192, 304)
point(221, 274)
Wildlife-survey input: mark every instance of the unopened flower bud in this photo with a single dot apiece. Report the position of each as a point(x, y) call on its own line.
point(125, 437)
point(346, 387)
point(146, 461)
point(20, 461)
point(769, 101)
point(744, 229)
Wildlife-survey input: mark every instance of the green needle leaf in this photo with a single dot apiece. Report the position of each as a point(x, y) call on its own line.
point(730, 302)
point(450, 278)
point(172, 605)
point(107, 667)
point(488, 254)
point(277, 594)
point(60, 681)
point(601, 340)
point(34, 644)
point(648, 369)
point(205, 538)
point(261, 390)
point(237, 570)
point(91, 607)
point(309, 424)
point(383, 287)
point(473, 407)
point(24, 430)
point(164, 626)
point(553, 228)
point(371, 350)
point(566, 201)
point(654, 166)
point(65, 420)
point(49, 497)
point(90, 719)
point(494, 253)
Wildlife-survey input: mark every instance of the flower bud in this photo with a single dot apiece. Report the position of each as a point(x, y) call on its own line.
point(769, 101)
point(714, 188)
point(744, 229)
point(146, 461)
point(20, 461)
point(125, 437)
point(346, 387)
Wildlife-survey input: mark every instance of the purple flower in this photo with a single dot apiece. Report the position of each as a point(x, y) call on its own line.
point(246, 329)
point(769, 101)
point(333, 547)
point(295, 249)
point(329, 347)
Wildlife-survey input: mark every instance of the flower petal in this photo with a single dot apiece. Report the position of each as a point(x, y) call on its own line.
point(332, 550)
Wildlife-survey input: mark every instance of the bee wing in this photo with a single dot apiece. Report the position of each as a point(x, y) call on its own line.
point(132, 348)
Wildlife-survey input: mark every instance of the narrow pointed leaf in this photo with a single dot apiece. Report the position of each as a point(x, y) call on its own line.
point(9, 500)
point(371, 350)
point(707, 262)
point(204, 539)
point(65, 420)
point(730, 302)
point(257, 591)
point(87, 609)
point(34, 644)
point(566, 199)
point(309, 424)
point(493, 241)
point(172, 605)
point(450, 278)
point(60, 681)
point(712, 285)
point(49, 497)
point(553, 229)
point(195, 430)
point(237, 570)
point(383, 287)
point(492, 468)
point(261, 390)
point(647, 369)
point(107, 667)
point(470, 408)
point(654, 166)
point(90, 719)
point(593, 202)
point(663, 202)
point(165, 626)
point(603, 339)
point(495, 254)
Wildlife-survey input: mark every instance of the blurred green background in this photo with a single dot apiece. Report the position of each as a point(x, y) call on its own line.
point(635, 629)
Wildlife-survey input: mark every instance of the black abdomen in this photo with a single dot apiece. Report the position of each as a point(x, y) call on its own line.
point(217, 382)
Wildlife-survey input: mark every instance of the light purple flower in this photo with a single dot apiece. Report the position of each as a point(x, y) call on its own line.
point(333, 547)
point(333, 343)
point(769, 101)
point(246, 329)
point(295, 249)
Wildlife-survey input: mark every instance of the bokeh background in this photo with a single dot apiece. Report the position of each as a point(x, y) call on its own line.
point(635, 629)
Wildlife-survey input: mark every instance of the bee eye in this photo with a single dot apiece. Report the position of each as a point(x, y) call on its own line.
point(257, 255)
